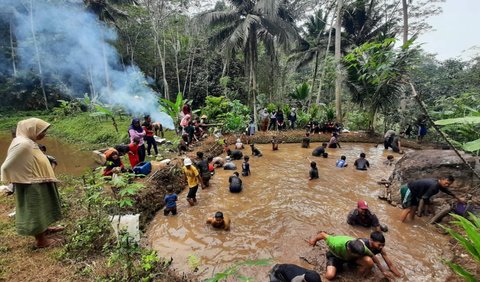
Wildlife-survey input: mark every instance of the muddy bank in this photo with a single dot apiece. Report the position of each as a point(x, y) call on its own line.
point(150, 199)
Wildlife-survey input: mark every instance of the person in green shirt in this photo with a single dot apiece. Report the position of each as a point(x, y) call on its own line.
point(342, 249)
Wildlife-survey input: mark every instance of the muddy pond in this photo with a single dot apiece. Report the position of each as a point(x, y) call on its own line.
point(71, 160)
point(279, 208)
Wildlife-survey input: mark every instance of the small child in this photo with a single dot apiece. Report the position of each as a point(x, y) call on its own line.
point(211, 167)
point(255, 152)
point(170, 202)
point(313, 171)
point(342, 162)
point(306, 141)
point(389, 160)
point(219, 221)
point(274, 144)
point(246, 166)
point(361, 163)
point(133, 152)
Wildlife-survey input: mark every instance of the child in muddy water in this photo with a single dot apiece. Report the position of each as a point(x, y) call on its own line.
point(170, 202)
point(219, 221)
point(389, 161)
point(313, 171)
point(274, 144)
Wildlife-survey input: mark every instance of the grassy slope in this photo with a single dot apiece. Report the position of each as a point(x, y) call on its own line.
point(88, 132)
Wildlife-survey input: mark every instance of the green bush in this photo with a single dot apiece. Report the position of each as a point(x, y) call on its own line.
point(470, 242)
point(356, 120)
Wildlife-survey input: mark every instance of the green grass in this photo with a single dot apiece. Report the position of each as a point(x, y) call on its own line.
point(81, 129)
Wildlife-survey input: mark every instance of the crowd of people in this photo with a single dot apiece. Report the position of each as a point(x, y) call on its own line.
point(364, 253)
point(31, 172)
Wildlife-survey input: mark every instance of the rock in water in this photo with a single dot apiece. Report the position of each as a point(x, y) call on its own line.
point(433, 164)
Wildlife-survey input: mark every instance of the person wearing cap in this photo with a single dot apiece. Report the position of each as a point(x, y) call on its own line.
point(292, 272)
point(229, 165)
point(343, 249)
point(376, 244)
point(219, 221)
point(363, 217)
point(193, 179)
point(235, 183)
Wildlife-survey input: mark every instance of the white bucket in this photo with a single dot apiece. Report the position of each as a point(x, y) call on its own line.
point(128, 222)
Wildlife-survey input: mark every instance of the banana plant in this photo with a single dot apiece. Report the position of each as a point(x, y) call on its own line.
point(472, 119)
point(173, 109)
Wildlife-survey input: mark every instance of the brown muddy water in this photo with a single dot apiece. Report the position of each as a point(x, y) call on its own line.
point(279, 208)
point(71, 160)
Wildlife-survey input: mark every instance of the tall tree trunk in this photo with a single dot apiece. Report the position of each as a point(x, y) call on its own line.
point(403, 98)
point(37, 55)
point(191, 73)
point(322, 76)
point(12, 52)
point(405, 21)
point(105, 66)
point(338, 75)
point(188, 72)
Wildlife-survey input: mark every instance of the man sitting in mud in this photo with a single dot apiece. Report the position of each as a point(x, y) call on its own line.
point(418, 193)
point(219, 221)
point(292, 272)
point(363, 217)
point(376, 244)
point(344, 249)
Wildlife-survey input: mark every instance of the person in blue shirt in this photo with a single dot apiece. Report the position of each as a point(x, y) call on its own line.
point(170, 202)
point(246, 166)
point(342, 162)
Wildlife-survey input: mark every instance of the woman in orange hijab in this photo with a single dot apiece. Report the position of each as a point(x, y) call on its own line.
point(36, 195)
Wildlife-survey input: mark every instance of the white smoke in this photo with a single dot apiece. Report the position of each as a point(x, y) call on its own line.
point(74, 49)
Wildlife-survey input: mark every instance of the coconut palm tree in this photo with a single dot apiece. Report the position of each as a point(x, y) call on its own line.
point(364, 21)
point(244, 25)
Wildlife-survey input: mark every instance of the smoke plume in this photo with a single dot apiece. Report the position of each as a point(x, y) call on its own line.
point(74, 49)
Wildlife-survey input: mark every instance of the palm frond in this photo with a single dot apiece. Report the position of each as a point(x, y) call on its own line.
point(219, 37)
point(214, 18)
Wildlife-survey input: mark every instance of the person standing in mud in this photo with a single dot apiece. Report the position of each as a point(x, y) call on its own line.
point(202, 166)
point(333, 143)
point(417, 194)
point(273, 121)
point(306, 140)
point(149, 132)
point(192, 176)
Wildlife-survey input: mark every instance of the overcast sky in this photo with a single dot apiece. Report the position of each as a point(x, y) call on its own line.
point(455, 30)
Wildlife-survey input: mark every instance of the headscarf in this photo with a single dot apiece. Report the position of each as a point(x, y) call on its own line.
point(186, 119)
point(138, 128)
point(25, 162)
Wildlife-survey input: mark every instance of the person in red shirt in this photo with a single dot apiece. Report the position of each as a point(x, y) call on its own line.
point(133, 152)
point(149, 132)
point(114, 163)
